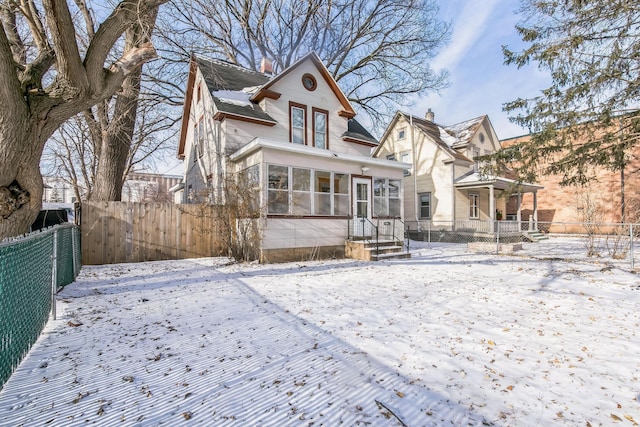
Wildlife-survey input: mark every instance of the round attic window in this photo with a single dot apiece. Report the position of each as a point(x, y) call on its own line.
point(481, 136)
point(309, 82)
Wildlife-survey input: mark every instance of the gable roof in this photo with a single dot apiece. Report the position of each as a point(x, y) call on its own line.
point(443, 138)
point(236, 92)
point(358, 134)
point(230, 86)
point(266, 92)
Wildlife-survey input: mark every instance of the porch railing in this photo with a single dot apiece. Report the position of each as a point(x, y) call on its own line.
point(383, 228)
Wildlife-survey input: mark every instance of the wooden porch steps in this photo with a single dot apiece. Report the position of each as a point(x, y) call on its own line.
point(368, 250)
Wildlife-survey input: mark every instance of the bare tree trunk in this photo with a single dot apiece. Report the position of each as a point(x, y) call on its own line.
point(117, 138)
point(31, 111)
point(21, 197)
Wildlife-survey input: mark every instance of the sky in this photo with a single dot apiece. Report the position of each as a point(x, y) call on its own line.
point(480, 82)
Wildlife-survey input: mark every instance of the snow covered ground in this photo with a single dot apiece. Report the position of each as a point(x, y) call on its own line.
point(447, 338)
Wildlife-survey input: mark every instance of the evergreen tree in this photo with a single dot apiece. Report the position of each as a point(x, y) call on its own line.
point(588, 116)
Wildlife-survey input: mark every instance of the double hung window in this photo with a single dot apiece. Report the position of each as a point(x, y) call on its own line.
point(298, 122)
point(320, 128)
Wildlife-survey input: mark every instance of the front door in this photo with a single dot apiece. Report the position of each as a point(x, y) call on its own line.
point(361, 191)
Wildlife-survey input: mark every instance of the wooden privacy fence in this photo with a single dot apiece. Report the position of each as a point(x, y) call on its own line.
point(115, 232)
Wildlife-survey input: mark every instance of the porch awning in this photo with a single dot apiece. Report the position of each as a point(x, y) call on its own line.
point(476, 180)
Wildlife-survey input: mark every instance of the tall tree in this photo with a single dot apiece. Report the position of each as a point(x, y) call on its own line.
point(47, 77)
point(379, 51)
point(588, 116)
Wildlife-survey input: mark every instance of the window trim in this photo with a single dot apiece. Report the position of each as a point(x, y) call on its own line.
point(309, 77)
point(303, 107)
point(315, 111)
point(427, 193)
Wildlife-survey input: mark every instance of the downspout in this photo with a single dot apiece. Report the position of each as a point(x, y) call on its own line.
point(454, 192)
point(415, 173)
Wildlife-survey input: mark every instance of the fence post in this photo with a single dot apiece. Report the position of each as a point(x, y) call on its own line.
point(497, 227)
point(73, 248)
point(429, 232)
point(631, 246)
point(54, 272)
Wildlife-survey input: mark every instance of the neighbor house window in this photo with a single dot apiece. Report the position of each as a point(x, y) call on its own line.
point(474, 206)
point(406, 158)
point(425, 205)
point(476, 162)
point(402, 133)
point(320, 128)
point(386, 197)
point(298, 123)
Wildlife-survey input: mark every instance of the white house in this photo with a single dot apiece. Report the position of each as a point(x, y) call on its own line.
point(295, 139)
point(445, 183)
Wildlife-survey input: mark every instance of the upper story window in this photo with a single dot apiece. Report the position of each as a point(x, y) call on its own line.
point(406, 158)
point(198, 139)
point(320, 128)
point(309, 82)
point(481, 137)
point(476, 161)
point(297, 121)
point(199, 93)
point(391, 157)
point(402, 133)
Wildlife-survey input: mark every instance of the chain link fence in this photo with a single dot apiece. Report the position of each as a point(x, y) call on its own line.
point(32, 269)
point(617, 242)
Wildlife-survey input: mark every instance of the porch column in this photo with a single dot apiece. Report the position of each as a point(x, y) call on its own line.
point(519, 209)
point(535, 210)
point(492, 204)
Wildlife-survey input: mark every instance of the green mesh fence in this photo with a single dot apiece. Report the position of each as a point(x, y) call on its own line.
point(26, 287)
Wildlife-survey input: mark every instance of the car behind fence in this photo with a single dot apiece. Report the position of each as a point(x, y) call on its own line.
point(33, 269)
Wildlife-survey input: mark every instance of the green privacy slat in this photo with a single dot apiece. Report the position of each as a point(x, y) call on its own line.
point(26, 268)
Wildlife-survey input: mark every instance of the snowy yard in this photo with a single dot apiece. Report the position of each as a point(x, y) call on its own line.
point(447, 338)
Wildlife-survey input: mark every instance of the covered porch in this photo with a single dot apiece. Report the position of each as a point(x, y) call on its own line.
point(497, 186)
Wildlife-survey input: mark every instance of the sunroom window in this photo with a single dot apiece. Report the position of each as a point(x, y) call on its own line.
point(386, 197)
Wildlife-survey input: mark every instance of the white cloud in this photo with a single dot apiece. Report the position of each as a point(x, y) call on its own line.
point(468, 26)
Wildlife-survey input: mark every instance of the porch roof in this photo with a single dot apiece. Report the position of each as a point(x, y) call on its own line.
point(477, 180)
point(304, 150)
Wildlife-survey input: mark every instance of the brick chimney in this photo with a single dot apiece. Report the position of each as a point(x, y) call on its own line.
point(266, 66)
point(429, 116)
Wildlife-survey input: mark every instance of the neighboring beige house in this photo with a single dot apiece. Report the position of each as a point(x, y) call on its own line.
point(149, 187)
point(138, 187)
point(295, 138)
point(444, 183)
